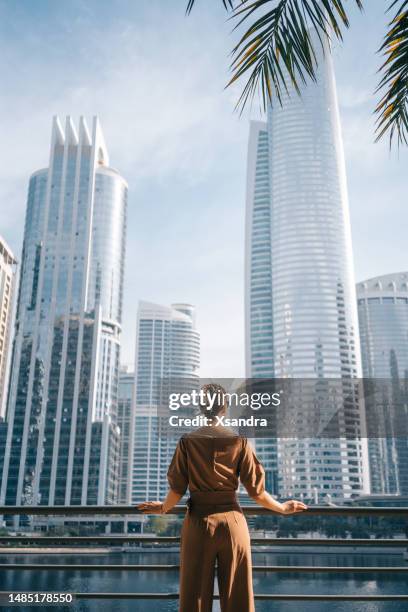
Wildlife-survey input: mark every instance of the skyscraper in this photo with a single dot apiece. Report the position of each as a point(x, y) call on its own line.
point(167, 348)
point(301, 318)
point(63, 392)
point(8, 265)
point(126, 426)
point(383, 318)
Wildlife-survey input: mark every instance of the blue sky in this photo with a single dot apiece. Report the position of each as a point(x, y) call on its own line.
point(156, 80)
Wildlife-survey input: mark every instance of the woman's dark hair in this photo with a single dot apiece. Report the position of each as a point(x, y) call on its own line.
point(214, 399)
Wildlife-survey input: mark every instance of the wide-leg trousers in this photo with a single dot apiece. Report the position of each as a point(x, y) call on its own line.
point(220, 538)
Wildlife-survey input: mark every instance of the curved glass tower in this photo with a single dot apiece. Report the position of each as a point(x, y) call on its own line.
point(62, 435)
point(167, 349)
point(301, 317)
point(383, 318)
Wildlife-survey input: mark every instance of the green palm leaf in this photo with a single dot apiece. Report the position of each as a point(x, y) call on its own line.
point(228, 4)
point(392, 111)
point(278, 43)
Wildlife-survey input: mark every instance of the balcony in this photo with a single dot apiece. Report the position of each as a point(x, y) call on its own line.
point(129, 512)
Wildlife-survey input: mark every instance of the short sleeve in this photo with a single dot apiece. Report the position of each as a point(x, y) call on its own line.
point(251, 472)
point(177, 474)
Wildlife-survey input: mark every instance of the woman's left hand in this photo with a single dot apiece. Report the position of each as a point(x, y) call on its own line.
point(154, 507)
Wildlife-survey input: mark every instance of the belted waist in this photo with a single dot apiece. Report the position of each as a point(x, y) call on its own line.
point(211, 502)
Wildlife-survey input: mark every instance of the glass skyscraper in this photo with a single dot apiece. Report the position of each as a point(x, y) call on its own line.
point(126, 426)
point(301, 317)
point(167, 349)
point(383, 318)
point(62, 408)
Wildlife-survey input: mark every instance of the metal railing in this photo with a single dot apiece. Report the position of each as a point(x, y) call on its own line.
point(248, 510)
point(129, 511)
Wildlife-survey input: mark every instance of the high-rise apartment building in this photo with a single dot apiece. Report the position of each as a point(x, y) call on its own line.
point(8, 265)
point(383, 318)
point(62, 405)
point(167, 349)
point(126, 426)
point(301, 316)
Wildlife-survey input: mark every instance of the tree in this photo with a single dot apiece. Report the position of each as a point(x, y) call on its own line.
point(157, 525)
point(277, 45)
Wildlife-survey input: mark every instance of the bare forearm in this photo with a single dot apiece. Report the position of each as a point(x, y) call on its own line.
point(172, 498)
point(268, 502)
point(289, 507)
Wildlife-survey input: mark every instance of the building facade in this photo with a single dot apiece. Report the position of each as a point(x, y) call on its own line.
point(301, 317)
point(8, 267)
point(64, 382)
point(383, 318)
point(126, 426)
point(167, 349)
point(3, 439)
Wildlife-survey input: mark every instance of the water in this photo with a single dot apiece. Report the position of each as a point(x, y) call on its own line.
point(291, 583)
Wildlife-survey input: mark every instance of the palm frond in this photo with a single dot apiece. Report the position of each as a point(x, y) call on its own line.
point(392, 109)
point(279, 43)
point(228, 4)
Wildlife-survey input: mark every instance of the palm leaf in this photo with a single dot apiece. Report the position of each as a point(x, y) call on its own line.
point(279, 45)
point(392, 110)
point(228, 4)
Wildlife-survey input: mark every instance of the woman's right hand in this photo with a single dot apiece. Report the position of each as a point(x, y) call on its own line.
point(292, 506)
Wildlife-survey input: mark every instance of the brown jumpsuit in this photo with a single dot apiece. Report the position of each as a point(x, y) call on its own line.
point(215, 528)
